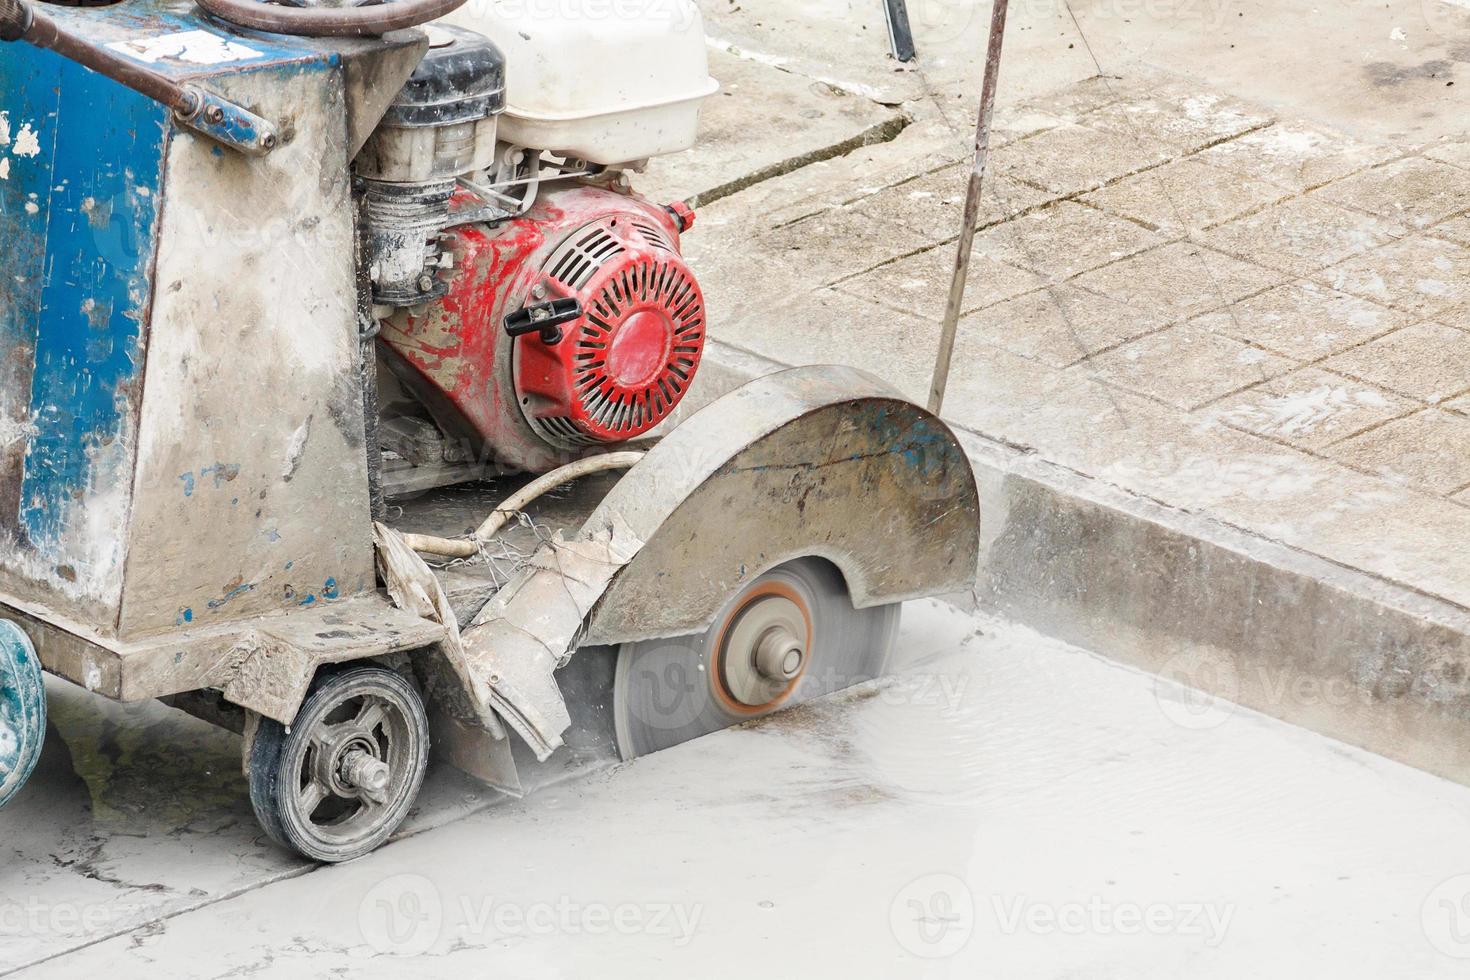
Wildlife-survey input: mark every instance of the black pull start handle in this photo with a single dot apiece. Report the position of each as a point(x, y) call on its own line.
point(544, 318)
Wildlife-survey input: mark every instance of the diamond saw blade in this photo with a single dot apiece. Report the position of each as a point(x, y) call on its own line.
point(790, 636)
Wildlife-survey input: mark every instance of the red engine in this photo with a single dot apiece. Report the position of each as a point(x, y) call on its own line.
point(574, 326)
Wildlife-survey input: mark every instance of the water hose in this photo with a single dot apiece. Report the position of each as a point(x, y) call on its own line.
point(518, 501)
point(330, 21)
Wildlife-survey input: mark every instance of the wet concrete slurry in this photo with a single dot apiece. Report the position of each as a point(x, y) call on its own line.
point(1003, 805)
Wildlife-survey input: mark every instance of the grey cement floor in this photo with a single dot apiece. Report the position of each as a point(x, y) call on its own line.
point(1004, 805)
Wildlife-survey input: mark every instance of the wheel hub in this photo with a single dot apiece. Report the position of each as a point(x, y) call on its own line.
point(370, 775)
point(764, 650)
point(779, 655)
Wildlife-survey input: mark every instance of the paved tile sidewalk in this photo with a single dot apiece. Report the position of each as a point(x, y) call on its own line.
point(1266, 276)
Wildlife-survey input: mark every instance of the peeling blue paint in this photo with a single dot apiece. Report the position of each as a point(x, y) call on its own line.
point(234, 593)
point(188, 481)
point(329, 590)
point(79, 316)
point(186, 616)
point(222, 473)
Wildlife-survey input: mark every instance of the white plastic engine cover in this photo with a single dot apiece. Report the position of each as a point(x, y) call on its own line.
point(607, 82)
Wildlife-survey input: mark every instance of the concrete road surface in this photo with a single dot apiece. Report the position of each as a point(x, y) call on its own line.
point(1005, 805)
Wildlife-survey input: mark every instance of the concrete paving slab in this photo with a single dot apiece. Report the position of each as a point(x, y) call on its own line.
point(1071, 159)
point(1187, 366)
point(925, 146)
point(828, 324)
point(1180, 116)
point(1185, 195)
point(1310, 408)
point(1415, 191)
point(1295, 155)
point(937, 200)
point(1065, 239)
point(1059, 325)
point(1180, 280)
point(1455, 229)
point(1085, 95)
point(1303, 235)
point(1460, 405)
point(828, 40)
point(753, 272)
point(1305, 320)
point(802, 121)
point(1452, 151)
point(1427, 361)
point(920, 283)
point(840, 243)
point(1429, 449)
point(1422, 275)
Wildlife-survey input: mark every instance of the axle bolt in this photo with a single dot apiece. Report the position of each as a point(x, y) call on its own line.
point(371, 776)
point(779, 655)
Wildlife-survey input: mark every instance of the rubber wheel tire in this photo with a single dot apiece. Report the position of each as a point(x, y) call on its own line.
point(22, 709)
point(278, 757)
point(668, 692)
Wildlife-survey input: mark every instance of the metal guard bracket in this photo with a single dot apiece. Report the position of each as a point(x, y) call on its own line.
point(824, 462)
point(224, 122)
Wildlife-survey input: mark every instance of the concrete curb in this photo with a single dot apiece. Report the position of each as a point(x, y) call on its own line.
point(1208, 607)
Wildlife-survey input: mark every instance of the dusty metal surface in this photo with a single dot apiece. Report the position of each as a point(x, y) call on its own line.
point(835, 465)
point(263, 664)
point(148, 525)
point(262, 455)
point(802, 463)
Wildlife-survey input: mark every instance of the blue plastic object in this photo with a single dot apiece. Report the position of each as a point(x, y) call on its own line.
point(22, 710)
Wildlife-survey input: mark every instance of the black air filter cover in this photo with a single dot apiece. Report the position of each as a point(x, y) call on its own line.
point(461, 79)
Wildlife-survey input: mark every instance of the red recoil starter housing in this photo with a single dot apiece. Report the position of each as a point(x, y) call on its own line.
point(607, 376)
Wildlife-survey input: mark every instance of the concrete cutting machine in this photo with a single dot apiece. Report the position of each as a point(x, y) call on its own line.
point(343, 403)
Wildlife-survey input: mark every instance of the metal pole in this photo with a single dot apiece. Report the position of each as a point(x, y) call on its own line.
point(972, 209)
point(900, 32)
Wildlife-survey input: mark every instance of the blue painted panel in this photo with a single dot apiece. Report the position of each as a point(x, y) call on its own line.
point(99, 198)
point(29, 95)
point(141, 29)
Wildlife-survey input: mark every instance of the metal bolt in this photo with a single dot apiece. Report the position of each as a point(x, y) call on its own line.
point(426, 283)
point(268, 141)
point(214, 114)
point(371, 776)
point(779, 655)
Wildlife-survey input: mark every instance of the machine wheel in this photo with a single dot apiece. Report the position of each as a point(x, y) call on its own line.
point(790, 636)
point(22, 709)
point(345, 775)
